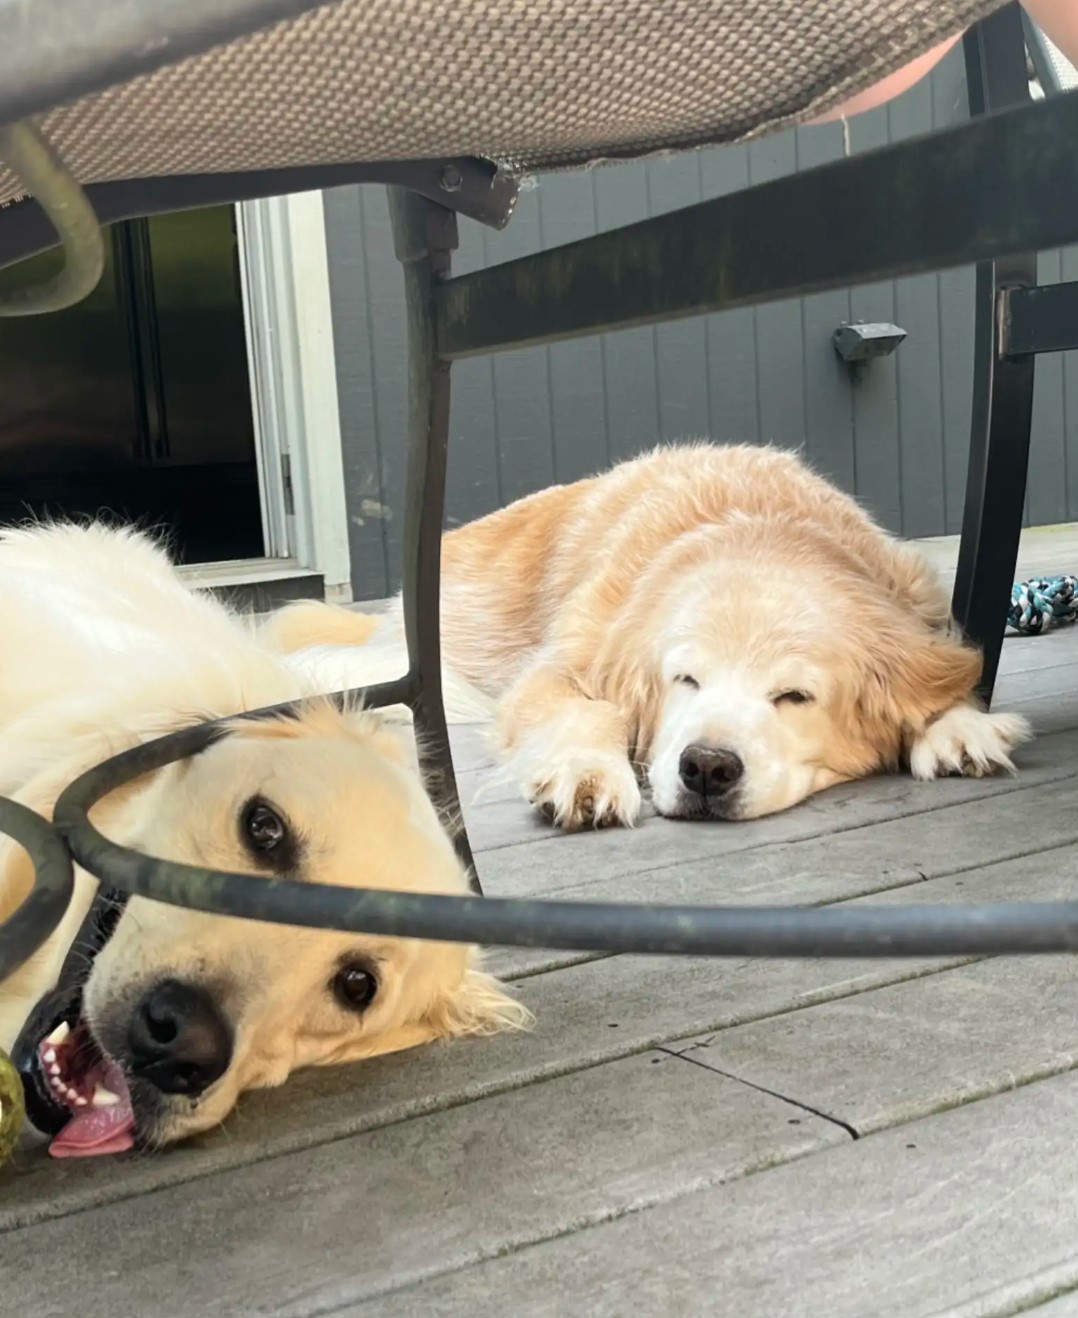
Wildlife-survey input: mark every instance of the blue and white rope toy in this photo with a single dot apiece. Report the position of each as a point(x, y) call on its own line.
point(1043, 603)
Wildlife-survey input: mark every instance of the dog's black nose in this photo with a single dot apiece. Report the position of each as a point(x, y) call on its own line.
point(177, 1039)
point(710, 770)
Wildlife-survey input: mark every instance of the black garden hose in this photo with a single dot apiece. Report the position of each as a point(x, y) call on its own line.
point(777, 931)
point(23, 932)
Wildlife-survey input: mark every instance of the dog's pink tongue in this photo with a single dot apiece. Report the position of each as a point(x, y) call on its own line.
point(96, 1131)
point(93, 1131)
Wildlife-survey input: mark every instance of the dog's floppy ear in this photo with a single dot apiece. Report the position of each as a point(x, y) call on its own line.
point(910, 679)
point(477, 1005)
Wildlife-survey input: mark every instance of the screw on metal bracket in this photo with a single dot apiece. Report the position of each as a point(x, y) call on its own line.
point(451, 179)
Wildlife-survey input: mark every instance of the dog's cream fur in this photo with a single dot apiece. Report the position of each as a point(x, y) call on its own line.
point(102, 647)
point(725, 596)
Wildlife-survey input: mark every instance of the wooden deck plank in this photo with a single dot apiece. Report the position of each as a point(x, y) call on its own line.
point(852, 863)
point(897, 1054)
point(587, 1014)
point(831, 868)
point(1056, 712)
point(1063, 1306)
point(1024, 690)
point(1043, 551)
point(546, 861)
point(303, 1233)
point(1052, 649)
point(970, 1211)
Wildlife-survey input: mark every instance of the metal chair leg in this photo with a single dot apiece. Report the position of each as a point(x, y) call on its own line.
point(424, 236)
point(1002, 386)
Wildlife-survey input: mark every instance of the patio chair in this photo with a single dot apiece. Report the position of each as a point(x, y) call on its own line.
point(462, 101)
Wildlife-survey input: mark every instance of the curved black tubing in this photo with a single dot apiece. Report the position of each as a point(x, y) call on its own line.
point(22, 933)
point(792, 931)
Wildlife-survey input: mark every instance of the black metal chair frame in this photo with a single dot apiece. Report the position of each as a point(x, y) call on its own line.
point(992, 191)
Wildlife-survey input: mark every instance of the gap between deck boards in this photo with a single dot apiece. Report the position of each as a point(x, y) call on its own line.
point(898, 1223)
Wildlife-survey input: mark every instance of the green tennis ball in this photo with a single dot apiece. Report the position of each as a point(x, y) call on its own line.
point(12, 1107)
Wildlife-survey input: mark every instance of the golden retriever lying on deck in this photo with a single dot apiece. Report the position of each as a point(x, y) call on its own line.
point(721, 617)
point(102, 647)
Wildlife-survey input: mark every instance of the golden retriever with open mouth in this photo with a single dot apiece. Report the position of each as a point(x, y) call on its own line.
point(102, 647)
point(720, 617)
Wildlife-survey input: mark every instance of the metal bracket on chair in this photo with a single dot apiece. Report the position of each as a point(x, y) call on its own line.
point(469, 186)
point(1035, 320)
point(422, 232)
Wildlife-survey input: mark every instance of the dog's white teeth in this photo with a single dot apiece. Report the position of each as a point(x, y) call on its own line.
point(104, 1097)
point(58, 1036)
point(50, 1056)
point(54, 1070)
point(79, 1100)
point(71, 1095)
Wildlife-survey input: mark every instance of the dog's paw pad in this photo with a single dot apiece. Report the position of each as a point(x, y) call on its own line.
point(969, 743)
point(594, 795)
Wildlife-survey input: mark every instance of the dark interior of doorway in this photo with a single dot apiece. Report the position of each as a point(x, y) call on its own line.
point(136, 404)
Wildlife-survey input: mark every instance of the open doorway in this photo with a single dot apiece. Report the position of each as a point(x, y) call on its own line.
point(137, 403)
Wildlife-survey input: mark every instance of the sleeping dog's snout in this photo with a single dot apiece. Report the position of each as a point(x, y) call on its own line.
point(177, 1039)
point(710, 770)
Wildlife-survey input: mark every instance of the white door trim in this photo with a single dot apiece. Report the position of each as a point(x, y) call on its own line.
point(285, 271)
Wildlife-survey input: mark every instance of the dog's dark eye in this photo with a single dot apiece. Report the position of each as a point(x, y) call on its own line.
point(263, 827)
point(355, 986)
point(791, 698)
point(686, 679)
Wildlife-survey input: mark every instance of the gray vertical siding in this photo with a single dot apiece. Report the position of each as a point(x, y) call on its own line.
point(897, 437)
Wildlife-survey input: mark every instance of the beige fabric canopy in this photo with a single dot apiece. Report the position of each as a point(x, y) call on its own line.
point(533, 84)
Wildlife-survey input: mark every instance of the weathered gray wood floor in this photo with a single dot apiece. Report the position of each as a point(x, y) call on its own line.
point(745, 1138)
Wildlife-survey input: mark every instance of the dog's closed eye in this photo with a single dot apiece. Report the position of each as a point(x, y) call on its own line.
point(686, 679)
point(792, 697)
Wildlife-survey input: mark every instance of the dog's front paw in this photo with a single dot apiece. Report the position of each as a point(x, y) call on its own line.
point(968, 742)
point(594, 790)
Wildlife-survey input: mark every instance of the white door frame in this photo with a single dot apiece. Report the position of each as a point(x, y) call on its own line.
point(286, 292)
